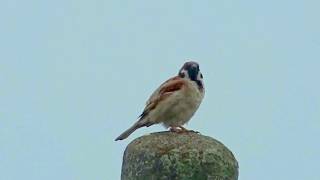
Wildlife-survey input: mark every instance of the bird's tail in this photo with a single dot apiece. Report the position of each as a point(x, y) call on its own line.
point(130, 131)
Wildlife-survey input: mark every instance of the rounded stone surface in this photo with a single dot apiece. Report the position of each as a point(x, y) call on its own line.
point(175, 156)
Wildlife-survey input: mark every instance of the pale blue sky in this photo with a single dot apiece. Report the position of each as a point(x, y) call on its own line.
point(75, 74)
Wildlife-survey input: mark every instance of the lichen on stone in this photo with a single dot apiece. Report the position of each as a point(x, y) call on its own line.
point(168, 155)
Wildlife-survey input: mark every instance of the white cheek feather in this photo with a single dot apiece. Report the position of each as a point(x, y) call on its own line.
point(200, 78)
point(185, 72)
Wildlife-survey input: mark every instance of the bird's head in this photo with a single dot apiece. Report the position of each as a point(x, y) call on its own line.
point(191, 71)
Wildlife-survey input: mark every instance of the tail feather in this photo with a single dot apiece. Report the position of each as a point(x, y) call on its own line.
point(129, 131)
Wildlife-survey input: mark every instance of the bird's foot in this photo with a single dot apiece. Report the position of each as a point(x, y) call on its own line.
point(175, 129)
point(186, 130)
point(197, 132)
point(181, 129)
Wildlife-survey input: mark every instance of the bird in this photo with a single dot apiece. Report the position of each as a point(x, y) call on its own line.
point(174, 102)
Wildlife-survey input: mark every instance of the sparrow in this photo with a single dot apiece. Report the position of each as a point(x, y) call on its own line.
point(174, 102)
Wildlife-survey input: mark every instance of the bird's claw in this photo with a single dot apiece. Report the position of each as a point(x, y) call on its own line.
point(176, 130)
point(181, 129)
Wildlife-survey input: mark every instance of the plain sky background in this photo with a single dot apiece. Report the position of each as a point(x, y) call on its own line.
point(74, 74)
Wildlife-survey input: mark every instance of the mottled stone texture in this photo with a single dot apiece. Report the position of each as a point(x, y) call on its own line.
point(173, 156)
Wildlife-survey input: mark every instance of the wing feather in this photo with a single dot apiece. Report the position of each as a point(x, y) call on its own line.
point(164, 91)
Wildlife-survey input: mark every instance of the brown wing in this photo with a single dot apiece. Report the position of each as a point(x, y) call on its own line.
point(163, 92)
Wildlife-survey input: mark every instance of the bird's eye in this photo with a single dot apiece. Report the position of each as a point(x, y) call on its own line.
point(201, 75)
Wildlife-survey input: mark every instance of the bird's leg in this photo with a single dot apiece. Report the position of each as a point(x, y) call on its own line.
point(175, 129)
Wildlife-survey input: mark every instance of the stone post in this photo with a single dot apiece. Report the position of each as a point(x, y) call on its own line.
point(173, 156)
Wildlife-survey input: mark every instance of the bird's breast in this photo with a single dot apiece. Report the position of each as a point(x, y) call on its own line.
point(182, 105)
